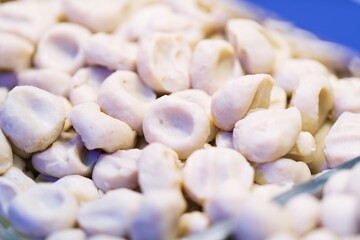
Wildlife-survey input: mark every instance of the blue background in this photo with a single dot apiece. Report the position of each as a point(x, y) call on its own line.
point(332, 20)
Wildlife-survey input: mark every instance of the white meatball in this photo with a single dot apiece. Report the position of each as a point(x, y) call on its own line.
point(208, 169)
point(117, 170)
point(43, 209)
point(98, 16)
point(253, 48)
point(159, 169)
point(15, 52)
point(202, 99)
point(81, 187)
point(32, 118)
point(145, 21)
point(237, 97)
point(112, 214)
point(283, 172)
point(85, 84)
point(98, 130)
point(111, 52)
point(342, 140)
point(179, 124)
point(266, 135)
point(158, 215)
point(51, 80)
point(124, 96)
point(28, 19)
point(65, 157)
point(214, 63)
point(62, 48)
point(163, 62)
point(314, 98)
point(22, 181)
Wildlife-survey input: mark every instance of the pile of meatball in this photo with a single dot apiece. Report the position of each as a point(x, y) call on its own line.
point(157, 119)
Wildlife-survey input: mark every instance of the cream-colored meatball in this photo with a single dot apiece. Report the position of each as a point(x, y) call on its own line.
point(342, 140)
point(288, 73)
point(233, 100)
point(179, 124)
point(6, 158)
point(278, 98)
point(145, 21)
point(314, 98)
point(203, 100)
point(304, 213)
point(213, 63)
point(81, 187)
point(193, 222)
point(43, 209)
point(112, 214)
point(117, 170)
point(259, 219)
point(163, 62)
point(62, 48)
point(9, 190)
point(65, 157)
point(162, 162)
point(224, 139)
point(111, 52)
point(266, 135)
point(283, 171)
point(206, 170)
point(339, 213)
point(85, 84)
point(32, 118)
point(337, 183)
point(225, 202)
point(158, 215)
point(347, 98)
point(28, 19)
point(70, 233)
point(98, 16)
point(305, 146)
point(253, 46)
point(107, 133)
point(317, 160)
point(15, 52)
point(22, 181)
point(124, 96)
point(55, 81)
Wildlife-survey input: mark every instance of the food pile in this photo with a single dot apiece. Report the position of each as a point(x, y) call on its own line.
point(156, 119)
